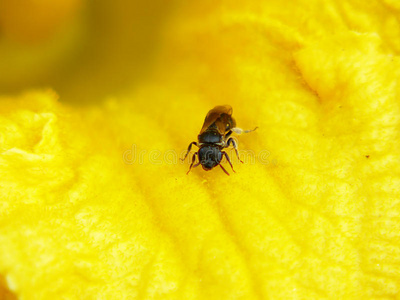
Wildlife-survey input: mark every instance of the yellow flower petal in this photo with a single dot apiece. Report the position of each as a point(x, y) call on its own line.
point(96, 205)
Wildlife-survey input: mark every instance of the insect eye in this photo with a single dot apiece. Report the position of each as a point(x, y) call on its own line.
point(227, 127)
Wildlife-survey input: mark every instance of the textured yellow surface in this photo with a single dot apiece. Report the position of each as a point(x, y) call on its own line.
point(95, 204)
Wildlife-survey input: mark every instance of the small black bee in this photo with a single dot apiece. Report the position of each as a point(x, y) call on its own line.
point(214, 137)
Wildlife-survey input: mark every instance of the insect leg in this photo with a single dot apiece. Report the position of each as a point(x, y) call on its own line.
point(232, 142)
point(188, 150)
point(227, 158)
point(228, 134)
point(240, 130)
point(192, 162)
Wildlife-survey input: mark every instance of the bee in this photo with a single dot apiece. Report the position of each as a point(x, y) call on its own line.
point(215, 135)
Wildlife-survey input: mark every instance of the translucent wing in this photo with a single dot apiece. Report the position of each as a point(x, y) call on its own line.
point(221, 116)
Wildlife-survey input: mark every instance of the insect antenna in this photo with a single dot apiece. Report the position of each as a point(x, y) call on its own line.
point(226, 172)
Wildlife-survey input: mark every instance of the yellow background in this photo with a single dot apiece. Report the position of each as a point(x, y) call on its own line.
point(98, 101)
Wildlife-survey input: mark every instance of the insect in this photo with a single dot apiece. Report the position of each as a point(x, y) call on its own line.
point(215, 135)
